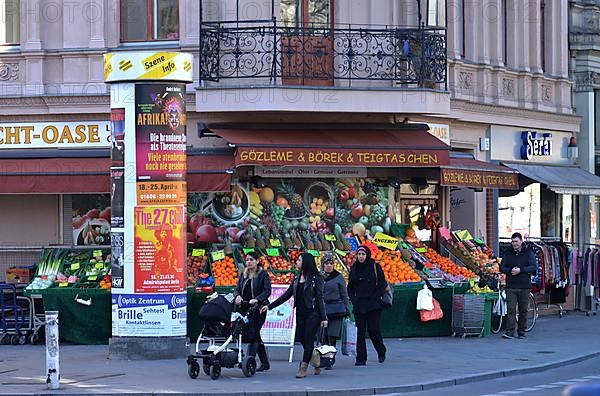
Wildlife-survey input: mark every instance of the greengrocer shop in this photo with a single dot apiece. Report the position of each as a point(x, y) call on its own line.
point(277, 190)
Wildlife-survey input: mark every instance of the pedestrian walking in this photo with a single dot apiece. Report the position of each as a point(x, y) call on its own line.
point(254, 287)
point(366, 286)
point(518, 263)
point(335, 294)
point(307, 290)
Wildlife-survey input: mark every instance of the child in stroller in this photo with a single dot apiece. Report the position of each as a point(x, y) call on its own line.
point(223, 326)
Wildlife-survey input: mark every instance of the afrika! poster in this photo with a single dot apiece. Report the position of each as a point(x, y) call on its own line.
point(159, 249)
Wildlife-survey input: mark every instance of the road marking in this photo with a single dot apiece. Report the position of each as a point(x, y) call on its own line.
point(580, 379)
point(547, 386)
point(563, 383)
point(593, 377)
point(528, 389)
point(515, 392)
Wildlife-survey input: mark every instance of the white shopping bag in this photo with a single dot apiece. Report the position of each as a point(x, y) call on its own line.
point(349, 338)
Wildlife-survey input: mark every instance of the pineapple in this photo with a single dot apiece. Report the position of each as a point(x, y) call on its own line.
point(295, 200)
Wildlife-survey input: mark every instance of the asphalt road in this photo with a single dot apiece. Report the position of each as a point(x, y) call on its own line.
point(547, 383)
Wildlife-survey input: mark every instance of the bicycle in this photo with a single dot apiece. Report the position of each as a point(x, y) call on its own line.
point(500, 311)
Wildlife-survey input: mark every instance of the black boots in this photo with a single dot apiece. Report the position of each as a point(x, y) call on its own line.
point(264, 358)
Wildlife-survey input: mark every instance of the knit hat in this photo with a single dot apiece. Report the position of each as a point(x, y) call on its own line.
point(327, 256)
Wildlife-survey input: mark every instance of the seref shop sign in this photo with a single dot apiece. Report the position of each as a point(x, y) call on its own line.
point(81, 134)
point(535, 145)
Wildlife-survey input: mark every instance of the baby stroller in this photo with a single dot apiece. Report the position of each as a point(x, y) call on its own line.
point(222, 326)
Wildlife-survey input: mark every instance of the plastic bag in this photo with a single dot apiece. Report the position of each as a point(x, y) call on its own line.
point(424, 299)
point(349, 338)
point(435, 314)
point(500, 307)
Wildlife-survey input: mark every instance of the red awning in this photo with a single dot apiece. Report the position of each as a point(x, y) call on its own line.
point(468, 172)
point(91, 175)
point(336, 147)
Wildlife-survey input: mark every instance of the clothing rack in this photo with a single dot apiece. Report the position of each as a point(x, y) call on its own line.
point(588, 280)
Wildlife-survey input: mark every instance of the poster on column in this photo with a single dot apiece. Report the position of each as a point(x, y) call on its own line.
point(149, 315)
point(160, 144)
point(117, 136)
point(159, 249)
point(117, 197)
point(117, 244)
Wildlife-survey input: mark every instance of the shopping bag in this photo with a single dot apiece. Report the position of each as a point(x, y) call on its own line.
point(424, 299)
point(435, 314)
point(349, 338)
point(500, 308)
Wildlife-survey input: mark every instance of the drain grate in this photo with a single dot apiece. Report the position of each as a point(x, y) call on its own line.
point(545, 352)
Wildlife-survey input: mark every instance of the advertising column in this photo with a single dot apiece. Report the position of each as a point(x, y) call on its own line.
point(148, 198)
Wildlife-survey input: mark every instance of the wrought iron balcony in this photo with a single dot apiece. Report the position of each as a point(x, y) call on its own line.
point(270, 54)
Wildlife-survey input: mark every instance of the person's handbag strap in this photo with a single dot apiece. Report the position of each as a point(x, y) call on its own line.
point(323, 334)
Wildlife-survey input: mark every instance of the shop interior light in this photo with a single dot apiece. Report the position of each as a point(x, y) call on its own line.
point(229, 171)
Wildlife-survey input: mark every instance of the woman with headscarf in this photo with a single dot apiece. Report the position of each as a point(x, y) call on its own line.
point(254, 287)
point(366, 286)
point(307, 290)
point(335, 295)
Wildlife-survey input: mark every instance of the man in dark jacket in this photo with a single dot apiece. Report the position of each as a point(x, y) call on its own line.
point(518, 264)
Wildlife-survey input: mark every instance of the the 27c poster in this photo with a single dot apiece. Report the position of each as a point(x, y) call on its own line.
point(159, 249)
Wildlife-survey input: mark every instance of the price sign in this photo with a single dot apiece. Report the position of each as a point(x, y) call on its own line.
point(75, 266)
point(275, 242)
point(92, 278)
point(273, 252)
point(97, 253)
point(63, 284)
point(248, 250)
point(218, 255)
point(330, 237)
point(313, 252)
point(100, 265)
point(422, 250)
point(198, 252)
point(341, 252)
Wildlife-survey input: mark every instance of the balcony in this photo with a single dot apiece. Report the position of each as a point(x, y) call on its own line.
point(372, 69)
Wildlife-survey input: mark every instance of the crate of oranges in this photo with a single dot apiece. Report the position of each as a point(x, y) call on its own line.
point(396, 270)
point(448, 266)
point(224, 271)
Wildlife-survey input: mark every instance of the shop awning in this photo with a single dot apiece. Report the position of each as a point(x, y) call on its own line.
point(561, 179)
point(84, 175)
point(406, 147)
point(469, 172)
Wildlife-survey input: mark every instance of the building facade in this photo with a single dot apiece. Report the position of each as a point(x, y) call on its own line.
point(479, 73)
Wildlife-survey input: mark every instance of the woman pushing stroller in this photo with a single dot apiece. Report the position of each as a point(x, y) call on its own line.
point(307, 290)
point(254, 287)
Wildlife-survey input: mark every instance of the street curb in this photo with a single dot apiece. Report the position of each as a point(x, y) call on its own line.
point(363, 391)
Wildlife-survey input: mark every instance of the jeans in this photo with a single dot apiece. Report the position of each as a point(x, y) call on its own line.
point(516, 297)
point(371, 321)
point(307, 326)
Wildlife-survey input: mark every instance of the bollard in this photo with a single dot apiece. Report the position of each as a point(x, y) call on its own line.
point(52, 352)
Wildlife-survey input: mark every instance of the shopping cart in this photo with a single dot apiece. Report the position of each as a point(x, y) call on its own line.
point(19, 321)
point(467, 315)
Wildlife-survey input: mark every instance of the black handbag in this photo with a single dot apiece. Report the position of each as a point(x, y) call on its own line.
point(335, 309)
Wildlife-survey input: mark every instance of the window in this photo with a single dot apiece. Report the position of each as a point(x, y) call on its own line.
point(9, 22)
point(436, 13)
point(460, 27)
point(149, 20)
point(503, 36)
point(543, 34)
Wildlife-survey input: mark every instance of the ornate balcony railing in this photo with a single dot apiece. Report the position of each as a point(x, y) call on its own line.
point(274, 55)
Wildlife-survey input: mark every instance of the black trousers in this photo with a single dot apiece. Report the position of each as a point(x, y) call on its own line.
point(516, 297)
point(371, 321)
point(307, 327)
point(256, 345)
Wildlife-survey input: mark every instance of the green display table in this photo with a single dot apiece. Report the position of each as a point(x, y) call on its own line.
point(402, 319)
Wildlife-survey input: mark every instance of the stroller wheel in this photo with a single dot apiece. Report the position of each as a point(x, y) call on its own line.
point(249, 366)
point(215, 370)
point(193, 369)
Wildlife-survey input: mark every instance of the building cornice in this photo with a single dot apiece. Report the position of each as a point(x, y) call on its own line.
point(501, 115)
point(586, 81)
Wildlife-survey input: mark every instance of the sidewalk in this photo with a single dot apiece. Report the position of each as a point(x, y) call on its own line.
point(412, 364)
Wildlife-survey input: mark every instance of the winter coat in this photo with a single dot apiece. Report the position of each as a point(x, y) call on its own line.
point(366, 285)
point(313, 294)
point(523, 259)
point(261, 285)
point(335, 289)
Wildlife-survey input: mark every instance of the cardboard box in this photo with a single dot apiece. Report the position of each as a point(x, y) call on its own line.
point(19, 275)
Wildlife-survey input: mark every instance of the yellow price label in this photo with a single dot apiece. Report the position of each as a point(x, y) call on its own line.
point(92, 278)
point(330, 237)
point(75, 266)
point(198, 252)
point(385, 241)
point(63, 284)
point(97, 253)
point(341, 252)
point(218, 255)
point(275, 242)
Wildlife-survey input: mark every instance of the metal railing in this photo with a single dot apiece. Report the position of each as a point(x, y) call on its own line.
point(272, 54)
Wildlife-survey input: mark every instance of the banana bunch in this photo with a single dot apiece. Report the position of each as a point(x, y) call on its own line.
point(256, 208)
point(477, 290)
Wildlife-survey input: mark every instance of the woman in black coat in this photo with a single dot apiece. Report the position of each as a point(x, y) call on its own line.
point(307, 290)
point(366, 286)
point(254, 287)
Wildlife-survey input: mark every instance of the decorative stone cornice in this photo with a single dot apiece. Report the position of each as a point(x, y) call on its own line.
point(586, 81)
point(9, 71)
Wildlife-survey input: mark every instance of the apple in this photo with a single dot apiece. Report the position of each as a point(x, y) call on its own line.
point(357, 211)
point(344, 195)
point(329, 213)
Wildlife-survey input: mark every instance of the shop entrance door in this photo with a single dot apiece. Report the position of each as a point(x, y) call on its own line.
point(307, 42)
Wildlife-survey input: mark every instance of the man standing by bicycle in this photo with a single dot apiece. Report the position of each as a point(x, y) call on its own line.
point(518, 264)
